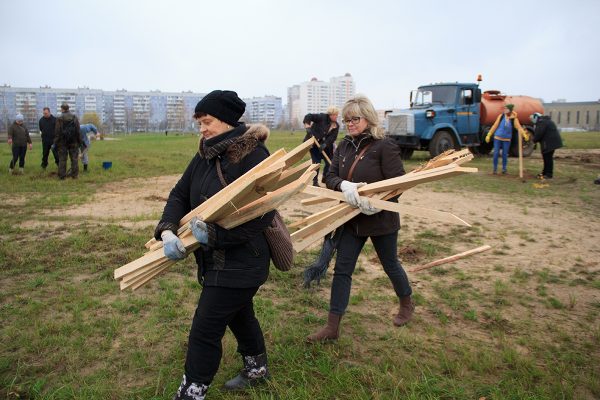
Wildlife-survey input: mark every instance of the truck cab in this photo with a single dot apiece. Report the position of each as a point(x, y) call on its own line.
point(441, 116)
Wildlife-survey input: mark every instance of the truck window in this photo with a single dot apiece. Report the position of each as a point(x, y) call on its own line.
point(466, 96)
point(429, 95)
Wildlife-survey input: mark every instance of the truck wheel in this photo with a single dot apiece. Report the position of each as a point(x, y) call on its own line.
point(484, 148)
point(406, 154)
point(527, 146)
point(442, 141)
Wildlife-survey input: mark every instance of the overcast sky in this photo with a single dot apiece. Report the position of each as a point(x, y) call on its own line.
point(548, 49)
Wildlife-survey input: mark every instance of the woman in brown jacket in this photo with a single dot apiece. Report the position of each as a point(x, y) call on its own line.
point(364, 156)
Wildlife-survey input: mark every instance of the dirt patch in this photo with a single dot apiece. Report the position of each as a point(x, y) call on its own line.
point(588, 157)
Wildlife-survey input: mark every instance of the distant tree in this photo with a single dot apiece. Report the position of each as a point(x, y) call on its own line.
point(91, 118)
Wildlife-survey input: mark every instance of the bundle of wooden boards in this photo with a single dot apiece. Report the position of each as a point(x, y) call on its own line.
point(314, 227)
point(258, 191)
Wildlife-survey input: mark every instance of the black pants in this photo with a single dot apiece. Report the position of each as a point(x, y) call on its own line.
point(46, 148)
point(348, 251)
point(548, 163)
point(73, 154)
point(18, 153)
point(219, 308)
point(316, 157)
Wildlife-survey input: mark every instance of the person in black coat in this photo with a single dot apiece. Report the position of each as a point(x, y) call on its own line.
point(547, 135)
point(324, 128)
point(364, 156)
point(232, 263)
point(47, 124)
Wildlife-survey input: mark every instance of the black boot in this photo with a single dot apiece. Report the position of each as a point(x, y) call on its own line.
point(254, 373)
point(190, 390)
point(85, 168)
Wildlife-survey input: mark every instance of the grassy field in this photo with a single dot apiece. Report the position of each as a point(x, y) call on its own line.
point(513, 330)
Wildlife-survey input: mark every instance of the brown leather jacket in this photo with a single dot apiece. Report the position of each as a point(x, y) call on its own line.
point(380, 161)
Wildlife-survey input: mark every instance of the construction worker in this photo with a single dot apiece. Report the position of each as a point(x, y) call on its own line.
point(502, 132)
point(67, 138)
point(547, 135)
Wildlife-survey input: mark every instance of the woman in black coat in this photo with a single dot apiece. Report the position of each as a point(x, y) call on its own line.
point(232, 263)
point(547, 135)
point(364, 156)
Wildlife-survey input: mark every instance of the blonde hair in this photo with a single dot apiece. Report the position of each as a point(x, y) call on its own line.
point(361, 106)
point(333, 110)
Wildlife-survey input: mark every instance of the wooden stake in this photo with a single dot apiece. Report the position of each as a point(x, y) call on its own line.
point(452, 258)
point(391, 206)
point(520, 154)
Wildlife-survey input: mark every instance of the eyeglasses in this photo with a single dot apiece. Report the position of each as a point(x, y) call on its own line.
point(354, 120)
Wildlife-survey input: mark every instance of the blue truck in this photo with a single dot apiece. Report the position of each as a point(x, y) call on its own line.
point(446, 116)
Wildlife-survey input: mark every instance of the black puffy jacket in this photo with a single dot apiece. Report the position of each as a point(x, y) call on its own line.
point(546, 133)
point(237, 257)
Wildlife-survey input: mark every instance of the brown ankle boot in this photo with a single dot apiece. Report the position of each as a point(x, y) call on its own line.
point(331, 331)
point(407, 308)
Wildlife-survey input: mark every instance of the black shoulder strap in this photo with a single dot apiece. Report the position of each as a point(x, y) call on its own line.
point(220, 172)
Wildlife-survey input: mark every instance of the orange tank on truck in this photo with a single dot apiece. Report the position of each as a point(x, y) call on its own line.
point(455, 115)
point(493, 101)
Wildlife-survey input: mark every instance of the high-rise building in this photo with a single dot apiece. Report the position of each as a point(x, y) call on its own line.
point(266, 110)
point(119, 111)
point(316, 96)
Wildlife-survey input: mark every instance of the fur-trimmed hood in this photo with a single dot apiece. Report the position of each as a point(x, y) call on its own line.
point(238, 146)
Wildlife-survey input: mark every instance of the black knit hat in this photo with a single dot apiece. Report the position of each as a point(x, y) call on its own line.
point(222, 104)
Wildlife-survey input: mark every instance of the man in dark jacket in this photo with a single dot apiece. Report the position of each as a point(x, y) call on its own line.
point(18, 137)
point(47, 125)
point(232, 263)
point(324, 128)
point(67, 138)
point(547, 135)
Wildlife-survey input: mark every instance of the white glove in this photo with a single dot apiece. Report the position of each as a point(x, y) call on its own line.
point(350, 190)
point(366, 207)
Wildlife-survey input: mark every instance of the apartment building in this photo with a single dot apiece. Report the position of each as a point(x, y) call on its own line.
point(315, 96)
point(267, 110)
point(119, 111)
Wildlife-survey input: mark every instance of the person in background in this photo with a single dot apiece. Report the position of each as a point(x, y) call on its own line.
point(364, 156)
point(324, 128)
point(18, 137)
point(47, 124)
point(547, 135)
point(85, 146)
point(502, 132)
point(67, 139)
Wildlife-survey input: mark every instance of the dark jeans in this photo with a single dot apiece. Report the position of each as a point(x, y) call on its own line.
point(73, 154)
point(348, 251)
point(316, 157)
point(18, 154)
point(46, 148)
point(219, 308)
point(548, 163)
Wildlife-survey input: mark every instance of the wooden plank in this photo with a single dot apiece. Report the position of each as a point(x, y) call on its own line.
point(127, 283)
point(313, 217)
point(315, 200)
point(268, 163)
point(294, 173)
point(407, 181)
point(390, 206)
point(301, 242)
point(452, 258)
point(297, 153)
point(266, 203)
